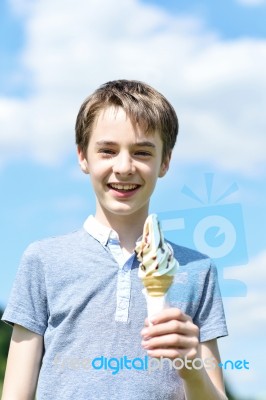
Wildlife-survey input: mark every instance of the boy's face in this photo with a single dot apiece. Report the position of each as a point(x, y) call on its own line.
point(124, 164)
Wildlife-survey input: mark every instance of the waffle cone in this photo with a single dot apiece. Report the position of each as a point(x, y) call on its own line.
point(157, 286)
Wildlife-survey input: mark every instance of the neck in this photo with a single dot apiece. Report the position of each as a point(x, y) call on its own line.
point(128, 227)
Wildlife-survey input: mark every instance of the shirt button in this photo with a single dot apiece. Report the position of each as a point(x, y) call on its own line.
point(122, 304)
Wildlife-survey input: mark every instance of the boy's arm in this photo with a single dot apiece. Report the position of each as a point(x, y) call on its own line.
point(209, 381)
point(174, 335)
point(23, 364)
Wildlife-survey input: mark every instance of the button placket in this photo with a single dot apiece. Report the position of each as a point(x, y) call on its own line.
point(123, 279)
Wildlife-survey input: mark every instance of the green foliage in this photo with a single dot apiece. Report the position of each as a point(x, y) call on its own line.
point(229, 394)
point(5, 335)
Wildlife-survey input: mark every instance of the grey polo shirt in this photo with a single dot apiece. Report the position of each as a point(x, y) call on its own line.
point(86, 300)
point(109, 237)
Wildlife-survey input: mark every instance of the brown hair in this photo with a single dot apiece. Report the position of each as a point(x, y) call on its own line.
point(143, 104)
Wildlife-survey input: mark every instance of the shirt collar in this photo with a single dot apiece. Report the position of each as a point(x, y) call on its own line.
point(99, 231)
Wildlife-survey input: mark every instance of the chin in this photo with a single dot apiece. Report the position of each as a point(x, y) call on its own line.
point(123, 211)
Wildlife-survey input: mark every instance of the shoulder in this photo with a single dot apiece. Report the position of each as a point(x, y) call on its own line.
point(195, 268)
point(58, 244)
point(186, 256)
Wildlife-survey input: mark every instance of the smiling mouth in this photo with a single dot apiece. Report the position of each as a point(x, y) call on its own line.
point(123, 187)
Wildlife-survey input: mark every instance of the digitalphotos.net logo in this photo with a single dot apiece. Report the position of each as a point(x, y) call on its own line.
point(212, 228)
point(125, 363)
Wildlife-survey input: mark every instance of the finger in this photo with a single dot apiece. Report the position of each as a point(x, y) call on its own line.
point(147, 322)
point(170, 341)
point(169, 314)
point(173, 354)
point(173, 326)
point(165, 353)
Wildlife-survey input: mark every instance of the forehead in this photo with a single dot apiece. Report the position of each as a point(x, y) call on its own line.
point(111, 115)
point(115, 122)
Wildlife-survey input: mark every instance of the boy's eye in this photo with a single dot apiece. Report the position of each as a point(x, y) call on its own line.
point(143, 153)
point(107, 152)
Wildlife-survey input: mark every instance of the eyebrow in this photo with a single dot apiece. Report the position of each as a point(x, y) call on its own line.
point(145, 144)
point(138, 144)
point(105, 143)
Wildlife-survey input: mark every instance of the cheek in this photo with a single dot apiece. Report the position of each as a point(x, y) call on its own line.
point(99, 174)
point(154, 172)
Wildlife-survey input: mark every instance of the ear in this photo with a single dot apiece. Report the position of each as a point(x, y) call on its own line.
point(82, 161)
point(165, 165)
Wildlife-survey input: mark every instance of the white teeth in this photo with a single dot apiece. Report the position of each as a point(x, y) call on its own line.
point(122, 187)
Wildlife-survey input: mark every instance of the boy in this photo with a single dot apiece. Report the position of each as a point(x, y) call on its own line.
point(77, 304)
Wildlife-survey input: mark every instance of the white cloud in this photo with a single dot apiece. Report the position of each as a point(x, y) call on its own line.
point(251, 2)
point(247, 325)
point(254, 277)
point(216, 86)
point(21, 7)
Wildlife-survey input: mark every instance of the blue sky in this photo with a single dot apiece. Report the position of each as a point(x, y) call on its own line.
point(209, 59)
point(230, 18)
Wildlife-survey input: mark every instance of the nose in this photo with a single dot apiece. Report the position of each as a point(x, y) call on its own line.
point(123, 164)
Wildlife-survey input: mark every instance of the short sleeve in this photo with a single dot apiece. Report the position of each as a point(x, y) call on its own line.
point(210, 314)
point(27, 304)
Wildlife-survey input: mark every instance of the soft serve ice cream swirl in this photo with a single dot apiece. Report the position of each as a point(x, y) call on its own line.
point(155, 255)
point(157, 265)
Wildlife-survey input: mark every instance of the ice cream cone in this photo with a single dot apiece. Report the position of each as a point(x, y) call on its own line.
point(155, 304)
point(157, 265)
point(157, 286)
